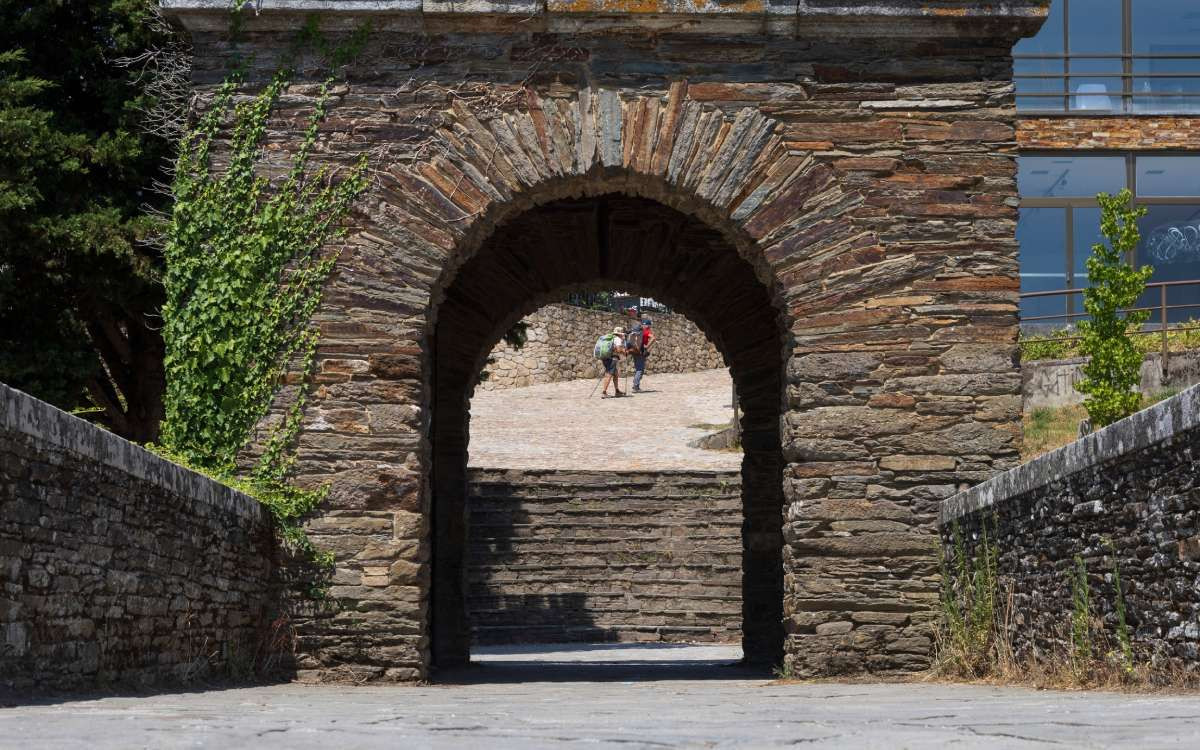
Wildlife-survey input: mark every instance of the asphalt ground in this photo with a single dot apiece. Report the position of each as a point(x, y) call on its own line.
point(616, 696)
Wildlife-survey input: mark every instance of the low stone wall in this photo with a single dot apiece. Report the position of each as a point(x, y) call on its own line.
point(1050, 383)
point(599, 556)
point(561, 338)
point(1127, 496)
point(117, 567)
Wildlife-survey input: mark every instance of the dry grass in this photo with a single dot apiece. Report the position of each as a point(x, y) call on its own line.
point(1058, 669)
point(1056, 672)
point(1047, 429)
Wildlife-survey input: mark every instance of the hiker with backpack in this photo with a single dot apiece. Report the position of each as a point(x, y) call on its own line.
point(608, 350)
point(638, 343)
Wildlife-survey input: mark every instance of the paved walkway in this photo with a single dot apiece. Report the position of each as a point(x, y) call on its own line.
point(666, 697)
point(557, 425)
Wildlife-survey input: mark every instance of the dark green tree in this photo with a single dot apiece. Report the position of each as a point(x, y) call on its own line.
point(79, 288)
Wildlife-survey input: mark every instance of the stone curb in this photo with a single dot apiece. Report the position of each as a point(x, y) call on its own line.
point(26, 415)
point(1160, 422)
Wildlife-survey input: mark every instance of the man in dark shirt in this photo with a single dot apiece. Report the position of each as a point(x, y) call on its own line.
point(640, 353)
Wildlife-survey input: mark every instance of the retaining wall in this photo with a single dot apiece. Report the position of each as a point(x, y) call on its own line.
point(1050, 383)
point(560, 344)
point(1127, 496)
point(116, 566)
point(603, 556)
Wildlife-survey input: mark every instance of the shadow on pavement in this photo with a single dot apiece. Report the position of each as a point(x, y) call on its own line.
point(12, 698)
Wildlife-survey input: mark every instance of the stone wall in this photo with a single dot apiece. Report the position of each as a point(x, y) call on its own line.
point(600, 556)
point(116, 566)
point(826, 189)
point(1050, 383)
point(560, 344)
point(1125, 133)
point(1133, 484)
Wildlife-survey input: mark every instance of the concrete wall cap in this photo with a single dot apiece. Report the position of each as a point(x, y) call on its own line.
point(1148, 427)
point(895, 18)
point(26, 415)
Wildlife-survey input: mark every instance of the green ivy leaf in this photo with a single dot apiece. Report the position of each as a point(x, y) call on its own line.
point(246, 263)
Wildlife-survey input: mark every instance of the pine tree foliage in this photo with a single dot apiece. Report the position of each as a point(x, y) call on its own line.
point(79, 289)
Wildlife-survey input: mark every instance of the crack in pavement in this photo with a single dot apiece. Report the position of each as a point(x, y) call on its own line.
point(1006, 735)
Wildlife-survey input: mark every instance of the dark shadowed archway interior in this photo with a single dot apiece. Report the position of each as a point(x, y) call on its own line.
point(612, 241)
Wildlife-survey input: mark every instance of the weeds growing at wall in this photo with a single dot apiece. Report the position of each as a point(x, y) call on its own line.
point(1081, 621)
point(1044, 429)
point(970, 641)
point(246, 263)
point(1123, 657)
point(1063, 343)
point(974, 639)
point(784, 671)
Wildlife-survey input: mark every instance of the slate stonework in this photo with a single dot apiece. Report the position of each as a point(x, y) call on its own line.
point(1117, 133)
point(560, 341)
point(1129, 495)
point(827, 191)
point(559, 556)
point(118, 568)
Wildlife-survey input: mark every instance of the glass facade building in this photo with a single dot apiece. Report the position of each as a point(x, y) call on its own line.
point(1112, 56)
point(1137, 60)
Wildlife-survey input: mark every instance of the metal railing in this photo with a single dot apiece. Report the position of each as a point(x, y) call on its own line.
point(1161, 311)
point(613, 302)
point(1163, 92)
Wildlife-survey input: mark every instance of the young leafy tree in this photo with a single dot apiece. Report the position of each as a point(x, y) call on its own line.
point(1113, 371)
point(79, 291)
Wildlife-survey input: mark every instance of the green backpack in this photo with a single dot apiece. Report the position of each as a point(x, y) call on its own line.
point(604, 346)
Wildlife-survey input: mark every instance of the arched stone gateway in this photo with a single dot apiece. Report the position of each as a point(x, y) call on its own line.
point(613, 241)
point(832, 204)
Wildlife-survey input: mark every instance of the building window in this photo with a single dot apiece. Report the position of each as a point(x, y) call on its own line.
point(1058, 224)
point(1060, 221)
point(1112, 56)
point(1042, 235)
point(1165, 47)
point(1168, 176)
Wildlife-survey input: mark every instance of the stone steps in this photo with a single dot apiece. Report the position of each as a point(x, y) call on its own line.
point(573, 555)
point(615, 632)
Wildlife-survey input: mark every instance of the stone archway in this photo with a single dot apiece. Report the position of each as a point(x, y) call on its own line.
point(865, 178)
point(613, 241)
point(735, 189)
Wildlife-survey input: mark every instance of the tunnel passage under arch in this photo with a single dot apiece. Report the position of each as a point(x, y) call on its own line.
point(625, 242)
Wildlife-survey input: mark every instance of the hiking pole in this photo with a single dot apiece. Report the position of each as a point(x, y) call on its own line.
point(593, 393)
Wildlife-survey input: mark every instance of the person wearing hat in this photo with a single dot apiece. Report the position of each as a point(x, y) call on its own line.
point(639, 345)
point(617, 348)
